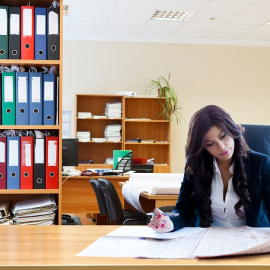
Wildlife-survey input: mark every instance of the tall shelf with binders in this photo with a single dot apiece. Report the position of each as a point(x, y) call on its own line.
point(140, 119)
point(15, 195)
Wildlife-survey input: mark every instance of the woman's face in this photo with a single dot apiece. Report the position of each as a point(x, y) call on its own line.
point(219, 144)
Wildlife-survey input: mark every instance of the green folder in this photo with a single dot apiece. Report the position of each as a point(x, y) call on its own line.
point(117, 155)
point(8, 98)
point(4, 32)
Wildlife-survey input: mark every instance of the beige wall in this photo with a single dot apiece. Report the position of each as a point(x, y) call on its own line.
point(235, 78)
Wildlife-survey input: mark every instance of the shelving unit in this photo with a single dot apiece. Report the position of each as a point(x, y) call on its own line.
point(22, 194)
point(140, 119)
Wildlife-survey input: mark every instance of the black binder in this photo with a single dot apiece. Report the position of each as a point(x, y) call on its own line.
point(14, 51)
point(39, 163)
point(53, 40)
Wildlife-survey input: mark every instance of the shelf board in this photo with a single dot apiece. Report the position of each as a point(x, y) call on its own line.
point(100, 142)
point(147, 121)
point(29, 191)
point(29, 127)
point(132, 143)
point(92, 118)
point(21, 62)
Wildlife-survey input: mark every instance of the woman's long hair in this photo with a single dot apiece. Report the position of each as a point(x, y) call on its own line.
point(200, 162)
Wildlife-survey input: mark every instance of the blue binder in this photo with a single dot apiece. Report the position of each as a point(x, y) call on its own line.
point(35, 98)
point(49, 99)
point(22, 110)
point(13, 162)
point(40, 33)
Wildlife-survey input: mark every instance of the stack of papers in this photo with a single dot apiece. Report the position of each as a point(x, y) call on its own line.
point(109, 160)
point(5, 217)
point(187, 243)
point(113, 109)
point(112, 132)
point(37, 211)
point(83, 136)
point(153, 183)
point(98, 139)
point(84, 114)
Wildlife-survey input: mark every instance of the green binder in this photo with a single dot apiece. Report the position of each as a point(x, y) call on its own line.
point(8, 98)
point(117, 155)
point(4, 32)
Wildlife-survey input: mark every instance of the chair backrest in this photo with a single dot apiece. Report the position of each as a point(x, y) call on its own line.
point(258, 138)
point(100, 197)
point(113, 203)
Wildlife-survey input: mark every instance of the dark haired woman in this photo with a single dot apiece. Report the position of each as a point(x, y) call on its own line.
point(226, 182)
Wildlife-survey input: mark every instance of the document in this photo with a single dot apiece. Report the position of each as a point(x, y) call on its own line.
point(204, 243)
point(153, 183)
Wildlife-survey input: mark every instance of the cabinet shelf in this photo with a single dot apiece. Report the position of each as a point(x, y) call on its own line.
point(106, 142)
point(140, 119)
point(29, 191)
point(29, 127)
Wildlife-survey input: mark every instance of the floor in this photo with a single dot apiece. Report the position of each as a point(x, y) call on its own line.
point(86, 220)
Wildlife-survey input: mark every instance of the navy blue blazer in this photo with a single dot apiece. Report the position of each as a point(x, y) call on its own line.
point(258, 213)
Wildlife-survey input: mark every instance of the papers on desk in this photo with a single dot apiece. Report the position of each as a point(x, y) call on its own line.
point(37, 211)
point(193, 243)
point(153, 183)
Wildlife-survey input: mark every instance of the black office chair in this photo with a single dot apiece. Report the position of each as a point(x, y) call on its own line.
point(116, 214)
point(100, 198)
point(258, 137)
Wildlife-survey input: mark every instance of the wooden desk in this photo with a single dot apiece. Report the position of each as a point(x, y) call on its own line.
point(150, 202)
point(78, 195)
point(56, 247)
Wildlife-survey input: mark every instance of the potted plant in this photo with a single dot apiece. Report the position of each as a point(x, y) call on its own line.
point(167, 98)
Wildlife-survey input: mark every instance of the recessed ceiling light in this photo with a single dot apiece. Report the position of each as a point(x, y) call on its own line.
point(165, 15)
point(267, 23)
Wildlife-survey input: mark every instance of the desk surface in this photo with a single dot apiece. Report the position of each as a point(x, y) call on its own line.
point(55, 247)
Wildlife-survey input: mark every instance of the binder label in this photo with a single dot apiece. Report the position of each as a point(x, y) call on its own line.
point(22, 89)
point(8, 82)
point(27, 22)
point(14, 24)
point(39, 152)
point(28, 155)
point(2, 152)
point(48, 91)
point(3, 22)
point(13, 153)
point(52, 148)
point(41, 25)
point(53, 23)
point(35, 89)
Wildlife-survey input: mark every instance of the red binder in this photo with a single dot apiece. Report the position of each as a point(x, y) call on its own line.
point(27, 32)
point(52, 165)
point(27, 150)
point(3, 162)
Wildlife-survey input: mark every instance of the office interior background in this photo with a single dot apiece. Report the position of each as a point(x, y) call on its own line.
point(105, 51)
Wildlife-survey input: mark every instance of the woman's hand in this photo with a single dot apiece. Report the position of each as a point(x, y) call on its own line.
point(160, 223)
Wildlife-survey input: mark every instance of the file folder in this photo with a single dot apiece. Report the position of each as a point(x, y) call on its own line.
point(3, 162)
point(27, 147)
point(13, 162)
point(49, 99)
point(8, 98)
point(52, 168)
point(53, 40)
point(27, 32)
point(14, 50)
point(39, 164)
point(22, 110)
point(35, 98)
point(40, 33)
point(4, 32)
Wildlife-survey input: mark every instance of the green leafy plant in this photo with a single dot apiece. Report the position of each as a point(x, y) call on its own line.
point(167, 98)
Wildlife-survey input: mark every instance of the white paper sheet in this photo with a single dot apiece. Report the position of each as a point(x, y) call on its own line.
point(22, 89)
point(14, 24)
point(27, 22)
point(41, 25)
point(153, 183)
point(3, 22)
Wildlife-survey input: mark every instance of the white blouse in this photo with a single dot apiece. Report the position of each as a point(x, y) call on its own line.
point(223, 212)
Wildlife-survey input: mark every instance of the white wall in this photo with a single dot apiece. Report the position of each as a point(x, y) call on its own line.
point(235, 78)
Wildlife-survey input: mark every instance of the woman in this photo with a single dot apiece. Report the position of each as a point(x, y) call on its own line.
point(225, 182)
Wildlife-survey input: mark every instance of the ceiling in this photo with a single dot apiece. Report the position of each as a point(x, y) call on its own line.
point(219, 22)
